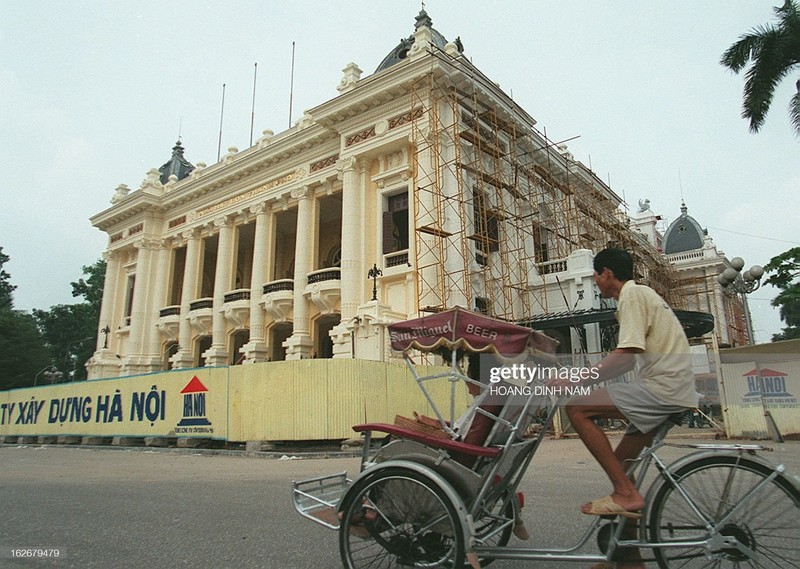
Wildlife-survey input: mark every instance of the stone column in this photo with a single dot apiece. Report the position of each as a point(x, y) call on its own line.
point(217, 354)
point(256, 349)
point(352, 279)
point(299, 346)
point(184, 357)
point(104, 362)
point(109, 297)
point(159, 294)
point(352, 274)
point(136, 361)
point(456, 250)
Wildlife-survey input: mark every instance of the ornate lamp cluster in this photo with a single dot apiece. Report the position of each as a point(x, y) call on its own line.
point(733, 280)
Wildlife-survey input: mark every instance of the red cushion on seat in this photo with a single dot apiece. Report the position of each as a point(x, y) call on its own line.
point(473, 450)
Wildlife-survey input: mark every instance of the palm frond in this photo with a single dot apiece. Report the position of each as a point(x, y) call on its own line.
point(740, 53)
point(768, 69)
point(772, 52)
point(794, 112)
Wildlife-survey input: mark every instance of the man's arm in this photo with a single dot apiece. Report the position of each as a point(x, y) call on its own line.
point(616, 363)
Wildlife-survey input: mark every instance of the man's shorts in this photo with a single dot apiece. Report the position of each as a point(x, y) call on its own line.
point(643, 410)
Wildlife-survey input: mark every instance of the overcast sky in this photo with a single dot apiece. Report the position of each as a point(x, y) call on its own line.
point(93, 94)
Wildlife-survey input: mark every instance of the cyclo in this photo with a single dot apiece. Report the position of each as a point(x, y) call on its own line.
point(446, 494)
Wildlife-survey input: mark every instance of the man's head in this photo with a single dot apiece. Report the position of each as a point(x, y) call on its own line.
point(612, 267)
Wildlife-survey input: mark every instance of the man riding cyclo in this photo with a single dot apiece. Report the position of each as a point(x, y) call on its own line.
point(650, 335)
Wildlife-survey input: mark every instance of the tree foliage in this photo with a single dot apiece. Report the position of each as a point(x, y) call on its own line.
point(785, 269)
point(70, 330)
point(773, 52)
point(6, 288)
point(91, 288)
point(22, 351)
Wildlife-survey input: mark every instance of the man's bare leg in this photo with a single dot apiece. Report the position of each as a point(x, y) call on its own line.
point(581, 411)
point(584, 410)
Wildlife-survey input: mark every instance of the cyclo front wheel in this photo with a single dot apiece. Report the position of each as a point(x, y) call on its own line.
point(766, 523)
point(399, 518)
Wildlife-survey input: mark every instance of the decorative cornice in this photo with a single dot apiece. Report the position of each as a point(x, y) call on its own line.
point(324, 163)
point(408, 117)
point(297, 174)
point(173, 223)
point(360, 136)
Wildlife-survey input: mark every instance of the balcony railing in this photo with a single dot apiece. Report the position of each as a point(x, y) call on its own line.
point(687, 256)
point(551, 267)
point(169, 311)
point(333, 274)
point(278, 286)
point(234, 295)
point(396, 259)
point(201, 303)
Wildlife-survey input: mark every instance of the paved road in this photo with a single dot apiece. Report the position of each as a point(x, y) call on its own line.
point(122, 508)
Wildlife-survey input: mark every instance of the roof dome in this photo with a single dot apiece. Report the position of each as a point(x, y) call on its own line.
point(683, 234)
point(177, 165)
point(400, 52)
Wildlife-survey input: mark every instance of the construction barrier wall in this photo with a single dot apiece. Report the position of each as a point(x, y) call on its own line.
point(762, 398)
point(299, 400)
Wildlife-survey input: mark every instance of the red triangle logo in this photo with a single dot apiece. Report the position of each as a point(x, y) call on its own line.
point(766, 372)
point(194, 386)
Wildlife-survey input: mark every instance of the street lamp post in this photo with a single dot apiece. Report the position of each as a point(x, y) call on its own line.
point(734, 281)
point(373, 274)
point(50, 373)
point(40, 372)
point(105, 331)
point(71, 360)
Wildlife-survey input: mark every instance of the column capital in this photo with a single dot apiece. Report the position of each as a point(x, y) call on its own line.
point(348, 163)
point(109, 255)
point(223, 221)
point(301, 193)
point(259, 208)
point(150, 244)
point(191, 233)
point(167, 242)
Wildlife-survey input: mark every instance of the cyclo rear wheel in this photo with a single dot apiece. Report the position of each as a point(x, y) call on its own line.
point(767, 523)
point(399, 518)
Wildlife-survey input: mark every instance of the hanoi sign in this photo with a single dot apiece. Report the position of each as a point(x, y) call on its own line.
point(168, 405)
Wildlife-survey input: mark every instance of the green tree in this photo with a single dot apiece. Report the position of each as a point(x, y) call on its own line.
point(786, 269)
point(91, 288)
point(22, 350)
point(70, 330)
point(6, 288)
point(774, 50)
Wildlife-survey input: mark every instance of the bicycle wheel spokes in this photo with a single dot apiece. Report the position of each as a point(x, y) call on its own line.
point(399, 518)
point(765, 524)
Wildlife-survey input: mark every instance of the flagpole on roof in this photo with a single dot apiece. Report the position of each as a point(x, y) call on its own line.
point(221, 113)
point(291, 88)
point(253, 108)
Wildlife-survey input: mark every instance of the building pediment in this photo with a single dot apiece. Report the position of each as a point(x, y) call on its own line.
point(133, 205)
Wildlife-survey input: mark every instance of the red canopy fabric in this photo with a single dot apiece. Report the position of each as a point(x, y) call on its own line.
point(458, 328)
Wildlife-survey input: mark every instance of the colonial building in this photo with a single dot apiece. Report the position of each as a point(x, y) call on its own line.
point(697, 261)
point(419, 187)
